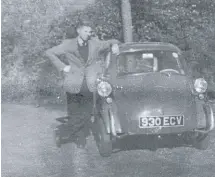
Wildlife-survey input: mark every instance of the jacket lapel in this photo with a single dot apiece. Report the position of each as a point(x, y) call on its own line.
point(90, 53)
point(91, 50)
point(76, 51)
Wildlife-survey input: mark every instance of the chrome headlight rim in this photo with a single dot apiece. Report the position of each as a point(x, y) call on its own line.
point(200, 85)
point(104, 88)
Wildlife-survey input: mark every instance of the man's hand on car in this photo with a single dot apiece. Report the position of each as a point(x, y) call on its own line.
point(115, 49)
point(67, 68)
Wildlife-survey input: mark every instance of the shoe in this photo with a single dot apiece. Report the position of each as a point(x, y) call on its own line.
point(63, 119)
point(81, 140)
point(57, 137)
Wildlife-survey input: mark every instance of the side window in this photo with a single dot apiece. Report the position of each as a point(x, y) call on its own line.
point(121, 63)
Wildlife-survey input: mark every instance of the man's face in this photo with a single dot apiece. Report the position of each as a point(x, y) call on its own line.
point(85, 32)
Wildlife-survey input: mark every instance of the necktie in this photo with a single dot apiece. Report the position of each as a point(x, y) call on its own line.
point(84, 43)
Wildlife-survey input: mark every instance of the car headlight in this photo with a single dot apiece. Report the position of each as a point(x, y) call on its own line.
point(200, 85)
point(104, 89)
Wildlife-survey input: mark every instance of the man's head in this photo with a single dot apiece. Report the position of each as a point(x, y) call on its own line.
point(84, 30)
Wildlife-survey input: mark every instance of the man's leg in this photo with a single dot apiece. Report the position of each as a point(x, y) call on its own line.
point(73, 101)
point(74, 111)
point(79, 107)
point(86, 109)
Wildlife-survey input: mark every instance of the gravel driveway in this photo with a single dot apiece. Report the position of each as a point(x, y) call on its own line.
point(28, 150)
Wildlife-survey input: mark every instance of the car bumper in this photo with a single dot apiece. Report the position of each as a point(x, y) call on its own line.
point(117, 129)
point(152, 142)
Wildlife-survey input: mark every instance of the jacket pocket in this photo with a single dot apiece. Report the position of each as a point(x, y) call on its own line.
point(72, 82)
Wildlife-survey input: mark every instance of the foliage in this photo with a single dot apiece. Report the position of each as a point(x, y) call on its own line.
point(188, 24)
point(30, 27)
point(25, 36)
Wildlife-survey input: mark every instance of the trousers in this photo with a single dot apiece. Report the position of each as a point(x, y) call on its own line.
point(79, 109)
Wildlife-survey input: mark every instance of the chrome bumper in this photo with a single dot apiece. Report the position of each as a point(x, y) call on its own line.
point(116, 130)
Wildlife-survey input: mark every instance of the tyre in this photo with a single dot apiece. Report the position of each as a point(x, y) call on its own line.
point(103, 139)
point(57, 137)
point(202, 142)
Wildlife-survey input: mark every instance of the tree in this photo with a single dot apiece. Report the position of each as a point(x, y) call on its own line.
point(126, 20)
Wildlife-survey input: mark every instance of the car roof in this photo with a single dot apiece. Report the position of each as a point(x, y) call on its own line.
point(126, 47)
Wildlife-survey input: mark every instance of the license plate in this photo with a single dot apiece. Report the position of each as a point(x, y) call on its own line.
point(161, 121)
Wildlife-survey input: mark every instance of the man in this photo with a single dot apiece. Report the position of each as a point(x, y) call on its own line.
point(83, 55)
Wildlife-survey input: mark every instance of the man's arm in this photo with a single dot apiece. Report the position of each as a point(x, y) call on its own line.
point(105, 45)
point(54, 53)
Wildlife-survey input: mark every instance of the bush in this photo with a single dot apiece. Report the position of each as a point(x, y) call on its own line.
point(188, 24)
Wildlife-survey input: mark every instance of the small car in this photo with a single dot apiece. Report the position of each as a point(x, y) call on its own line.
point(146, 98)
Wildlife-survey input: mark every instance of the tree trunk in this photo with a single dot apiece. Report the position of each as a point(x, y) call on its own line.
point(126, 20)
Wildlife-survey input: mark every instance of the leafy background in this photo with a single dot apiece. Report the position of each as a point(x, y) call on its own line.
point(29, 27)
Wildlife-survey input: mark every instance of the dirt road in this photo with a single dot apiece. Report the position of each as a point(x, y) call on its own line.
point(28, 150)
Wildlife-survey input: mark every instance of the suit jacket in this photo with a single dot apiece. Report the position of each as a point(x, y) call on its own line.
point(72, 81)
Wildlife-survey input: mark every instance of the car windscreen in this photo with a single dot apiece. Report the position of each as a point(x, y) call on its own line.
point(148, 61)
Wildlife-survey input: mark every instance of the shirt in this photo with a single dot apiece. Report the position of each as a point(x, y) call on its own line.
point(84, 52)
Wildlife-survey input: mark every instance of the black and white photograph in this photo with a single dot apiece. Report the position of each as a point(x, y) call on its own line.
point(108, 88)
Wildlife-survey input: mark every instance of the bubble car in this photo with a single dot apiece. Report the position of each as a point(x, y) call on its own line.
point(146, 98)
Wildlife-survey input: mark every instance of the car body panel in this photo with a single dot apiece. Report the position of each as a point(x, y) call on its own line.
point(154, 95)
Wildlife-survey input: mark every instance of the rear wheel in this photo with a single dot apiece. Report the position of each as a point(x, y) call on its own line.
point(103, 139)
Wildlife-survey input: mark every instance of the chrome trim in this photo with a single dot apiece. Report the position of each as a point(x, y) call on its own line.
point(112, 122)
point(115, 126)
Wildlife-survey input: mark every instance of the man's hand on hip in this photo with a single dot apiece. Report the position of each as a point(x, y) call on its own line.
point(67, 68)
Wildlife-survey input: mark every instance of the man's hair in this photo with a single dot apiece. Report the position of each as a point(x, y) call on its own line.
point(83, 23)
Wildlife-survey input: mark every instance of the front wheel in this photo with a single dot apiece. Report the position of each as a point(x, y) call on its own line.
point(57, 137)
point(103, 139)
point(202, 142)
